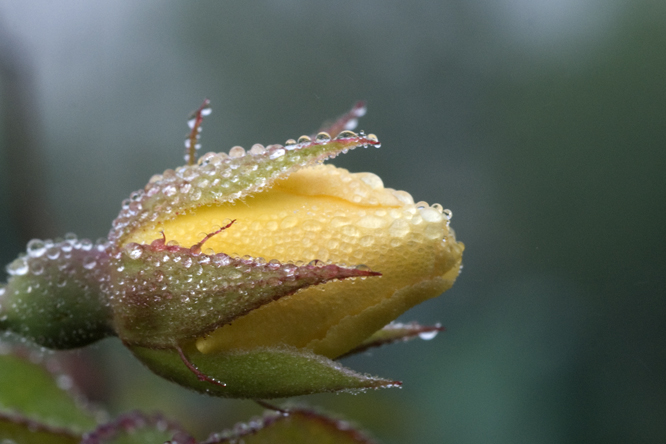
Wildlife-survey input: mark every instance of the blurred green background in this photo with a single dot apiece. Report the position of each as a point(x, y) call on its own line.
point(540, 123)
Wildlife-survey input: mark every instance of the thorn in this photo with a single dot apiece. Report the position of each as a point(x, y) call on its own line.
point(195, 118)
point(196, 248)
point(193, 368)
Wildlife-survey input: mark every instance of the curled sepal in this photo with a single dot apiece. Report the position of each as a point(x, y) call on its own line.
point(294, 426)
point(396, 332)
point(163, 294)
point(138, 428)
point(219, 178)
point(261, 373)
point(54, 294)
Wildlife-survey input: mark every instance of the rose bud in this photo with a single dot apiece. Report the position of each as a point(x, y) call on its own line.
point(247, 274)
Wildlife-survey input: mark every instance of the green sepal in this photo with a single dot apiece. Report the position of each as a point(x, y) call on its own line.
point(219, 178)
point(54, 294)
point(163, 295)
point(261, 373)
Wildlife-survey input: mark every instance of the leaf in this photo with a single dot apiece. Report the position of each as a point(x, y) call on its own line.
point(34, 409)
point(259, 373)
point(396, 332)
point(220, 178)
point(28, 389)
point(298, 426)
point(138, 428)
point(18, 430)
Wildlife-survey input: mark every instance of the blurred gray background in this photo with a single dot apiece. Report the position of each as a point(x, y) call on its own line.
point(540, 123)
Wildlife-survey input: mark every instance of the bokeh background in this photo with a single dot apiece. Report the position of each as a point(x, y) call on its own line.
point(540, 123)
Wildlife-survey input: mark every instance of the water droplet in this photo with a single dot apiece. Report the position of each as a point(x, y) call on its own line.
point(372, 180)
point(257, 149)
point(277, 153)
point(431, 215)
point(304, 139)
point(346, 135)
point(36, 267)
point(169, 190)
point(237, 152)
point(428, 335)
point(288, 222)
point(399, 228)
point(373, 138)
point(448, 214)
point(323, 137)
point(17, 268)
point(36, 248)
point(203, 160)
point(134, 251)
point(89, 262)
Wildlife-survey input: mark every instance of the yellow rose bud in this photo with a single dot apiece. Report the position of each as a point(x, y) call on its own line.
point(326, 213)
point(244, 275)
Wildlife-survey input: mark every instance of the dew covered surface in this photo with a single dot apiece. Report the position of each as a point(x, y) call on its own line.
point(326, 213)
point(540, 124)
point(226, 177)
point(55, 293)
point(163, 294)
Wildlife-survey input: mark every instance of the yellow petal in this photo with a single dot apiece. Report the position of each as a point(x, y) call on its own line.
point(326, 213)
